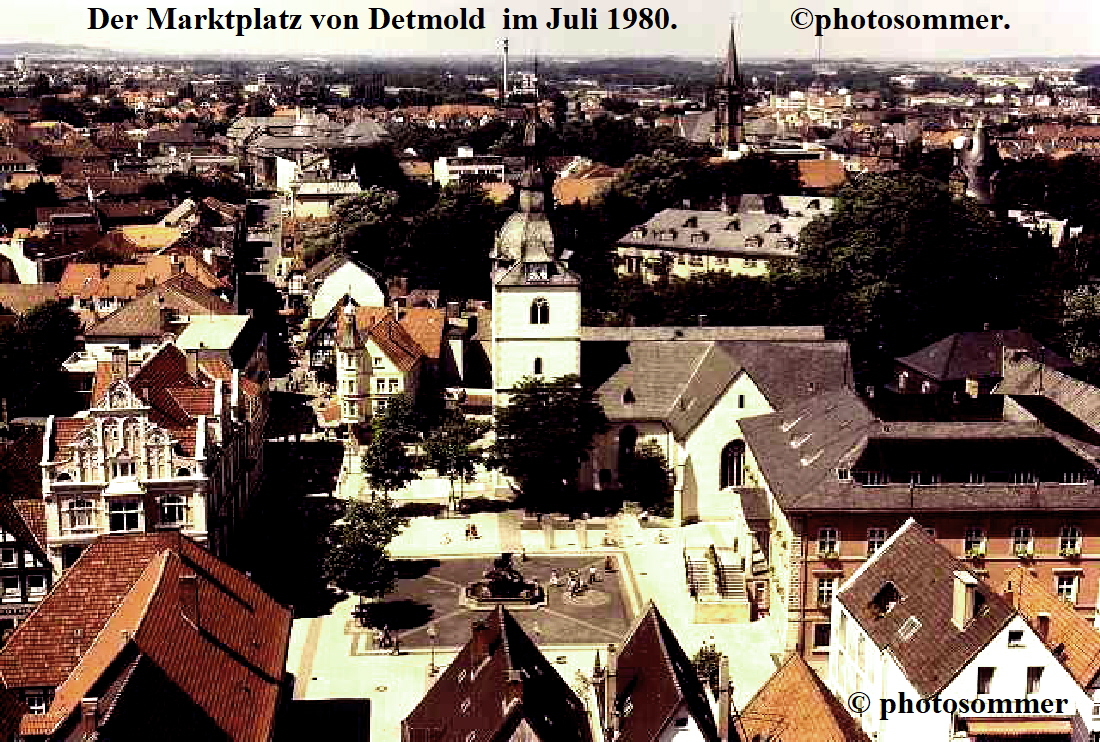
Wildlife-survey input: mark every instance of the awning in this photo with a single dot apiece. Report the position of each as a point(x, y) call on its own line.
point(1010, 727)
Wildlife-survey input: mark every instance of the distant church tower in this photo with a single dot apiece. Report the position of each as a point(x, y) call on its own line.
point(730, 97)
point(536, 298)
point(978, 162)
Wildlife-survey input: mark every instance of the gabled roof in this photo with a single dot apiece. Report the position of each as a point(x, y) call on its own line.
point(800, 448)
point(1072, 639)
point(181, 295)
point(794, 705)
point(923, 573)
point(224, 649)
point(1024, 376)
point(976, 355)
point(507, 682)
point(679, 381)
point(654, 679)
point(331, 264)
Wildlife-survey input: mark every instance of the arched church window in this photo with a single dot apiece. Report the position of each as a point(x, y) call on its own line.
point(540, 312)
point(733, 465)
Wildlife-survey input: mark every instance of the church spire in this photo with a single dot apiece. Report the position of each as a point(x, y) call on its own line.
point(730, 96)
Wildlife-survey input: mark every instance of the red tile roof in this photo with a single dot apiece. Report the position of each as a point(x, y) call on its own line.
point(426, 326)
point(1078, 639)
point(821, 173)
point(796, 706)
point(225, 649)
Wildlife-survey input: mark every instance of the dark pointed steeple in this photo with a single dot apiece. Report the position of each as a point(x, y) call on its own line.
point(730, 96)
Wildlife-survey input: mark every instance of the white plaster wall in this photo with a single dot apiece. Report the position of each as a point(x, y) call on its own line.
point(348, 279)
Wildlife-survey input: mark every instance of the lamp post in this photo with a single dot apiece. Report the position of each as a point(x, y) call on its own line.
point(433, 635)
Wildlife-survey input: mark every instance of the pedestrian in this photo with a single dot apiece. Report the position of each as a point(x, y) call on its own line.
point(571, 586)
point(608, 564)
point(555, 578)
point(644, 517)
point(468, 527)
point(591, 575)
point(396, 645)
point(473, 531)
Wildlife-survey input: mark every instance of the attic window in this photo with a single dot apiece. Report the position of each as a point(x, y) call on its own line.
point(808, 460)
point(734, 225)
point(885, 599)
point(786, 427)
point(844, 475)
point(691, 222)
point(909, 628)
point(628, 396)
point(798, 440)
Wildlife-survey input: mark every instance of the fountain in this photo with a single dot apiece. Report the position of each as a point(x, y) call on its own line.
point(504, 585)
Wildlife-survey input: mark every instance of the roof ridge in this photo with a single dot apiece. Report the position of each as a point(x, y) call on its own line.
point(153, 575)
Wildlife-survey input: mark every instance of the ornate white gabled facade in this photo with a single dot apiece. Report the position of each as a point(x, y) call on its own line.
point(536, 298)
point(117, 470)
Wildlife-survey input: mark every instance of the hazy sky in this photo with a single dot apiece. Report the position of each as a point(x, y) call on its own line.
point(1054, 27)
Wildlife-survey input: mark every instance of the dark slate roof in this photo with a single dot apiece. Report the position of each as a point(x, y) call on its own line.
point(800, 447)
point(678, 381)
point(654, 678)
point(976, 355)
point(507, 682)
point(924, 574)
point(182, 295)
point(331, 264)
point(1025, 377)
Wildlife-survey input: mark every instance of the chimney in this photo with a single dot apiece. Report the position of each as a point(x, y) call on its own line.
point(610, 712)
point(119, 363)
point(1043, 627)
point(89, 716)
point(962, 600)
point(724, 699)
point(189, 598)
point(193, 362)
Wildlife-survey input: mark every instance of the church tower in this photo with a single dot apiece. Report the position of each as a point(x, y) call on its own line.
point(730, 96)
point(978, 164)
point(536, 298)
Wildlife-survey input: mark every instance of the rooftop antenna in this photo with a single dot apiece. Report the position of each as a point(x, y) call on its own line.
point(504, 73)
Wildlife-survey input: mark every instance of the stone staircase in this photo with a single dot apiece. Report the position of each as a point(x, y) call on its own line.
point(730, 573)
point(700, 576)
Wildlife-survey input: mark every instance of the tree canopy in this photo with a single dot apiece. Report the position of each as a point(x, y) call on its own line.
point(32, 350)
point(358, 559)
point(544, 434)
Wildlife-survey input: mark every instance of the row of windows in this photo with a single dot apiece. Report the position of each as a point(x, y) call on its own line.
point(1070, 540)
point(1065, 585)
point(122, 515)
point(12, 588)
point(10, 558)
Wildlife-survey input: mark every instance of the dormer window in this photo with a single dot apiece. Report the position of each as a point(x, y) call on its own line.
point(734, 225)
point(691, 222)
point(638, 233)
point(885, 599)
point(628, 396)
point(537, 272)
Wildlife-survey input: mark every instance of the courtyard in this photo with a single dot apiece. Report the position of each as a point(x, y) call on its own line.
point(429, 594)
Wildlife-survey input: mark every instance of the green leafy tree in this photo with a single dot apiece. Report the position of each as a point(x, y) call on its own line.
point(370, 227)
point(647, 479)
point(1081, 328)
point(544, 434)
point(358, 559)
point(386, 460)
point(449, 448)
point(899, 263)
point(31, 353)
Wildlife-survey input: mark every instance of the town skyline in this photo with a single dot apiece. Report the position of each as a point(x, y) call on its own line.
point(764, 32)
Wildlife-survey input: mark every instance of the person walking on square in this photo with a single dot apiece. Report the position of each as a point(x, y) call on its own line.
point(555, 578)
point(591, 575)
